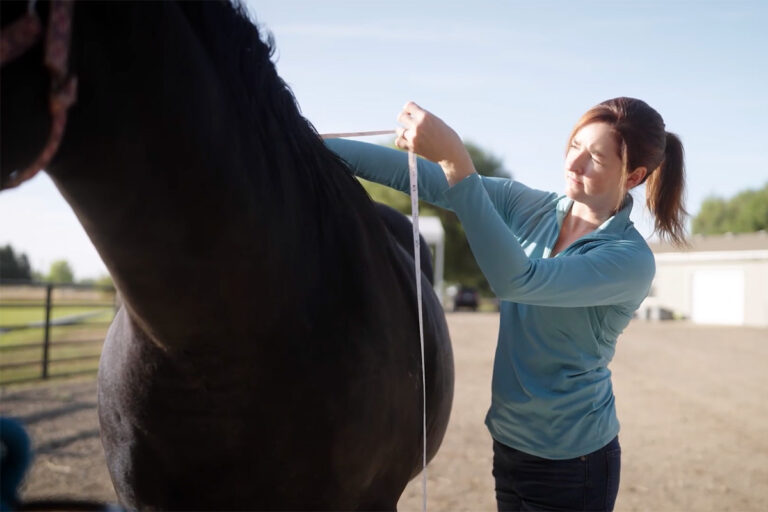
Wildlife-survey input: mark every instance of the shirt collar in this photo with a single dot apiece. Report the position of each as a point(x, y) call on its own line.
point(615, 225)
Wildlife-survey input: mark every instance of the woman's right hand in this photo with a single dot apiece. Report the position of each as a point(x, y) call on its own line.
point(429, 136)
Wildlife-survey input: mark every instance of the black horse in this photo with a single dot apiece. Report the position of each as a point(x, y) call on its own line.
point(267, 354)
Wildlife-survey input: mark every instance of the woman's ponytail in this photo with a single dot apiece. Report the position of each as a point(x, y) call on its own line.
point(664, 193)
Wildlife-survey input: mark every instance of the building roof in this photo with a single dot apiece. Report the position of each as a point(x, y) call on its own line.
point(714, 243)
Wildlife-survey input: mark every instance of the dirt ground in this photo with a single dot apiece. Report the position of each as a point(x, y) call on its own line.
point(692, 403)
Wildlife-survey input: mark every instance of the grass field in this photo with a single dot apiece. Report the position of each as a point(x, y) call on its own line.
point(73, 348)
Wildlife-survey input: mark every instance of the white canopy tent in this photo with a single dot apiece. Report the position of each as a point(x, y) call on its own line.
point(432, 230)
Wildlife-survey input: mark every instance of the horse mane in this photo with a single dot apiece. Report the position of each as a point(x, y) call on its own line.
point(290, 168)
point(268, 111)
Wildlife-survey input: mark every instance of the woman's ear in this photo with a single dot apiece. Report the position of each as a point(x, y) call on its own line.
point(636, 177)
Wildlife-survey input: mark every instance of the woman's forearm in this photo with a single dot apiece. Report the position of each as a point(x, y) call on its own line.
point(390, 167)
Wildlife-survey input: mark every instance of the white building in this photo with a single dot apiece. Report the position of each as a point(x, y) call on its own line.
point(432, 230)
point(719, 279)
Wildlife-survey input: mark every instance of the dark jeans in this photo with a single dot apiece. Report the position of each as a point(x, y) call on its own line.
point(526, 482)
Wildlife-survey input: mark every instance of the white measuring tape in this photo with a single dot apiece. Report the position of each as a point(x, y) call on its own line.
point(356, 134)
point(414, 179)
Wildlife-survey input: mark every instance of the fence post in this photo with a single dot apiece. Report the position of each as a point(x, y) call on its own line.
point(47, 338)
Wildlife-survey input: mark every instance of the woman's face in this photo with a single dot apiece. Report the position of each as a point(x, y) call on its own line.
point(593, 168)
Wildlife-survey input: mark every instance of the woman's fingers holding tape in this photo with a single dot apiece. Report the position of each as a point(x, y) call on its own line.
point(401, 140)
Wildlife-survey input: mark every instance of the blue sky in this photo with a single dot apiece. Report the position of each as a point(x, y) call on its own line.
point(511, 76)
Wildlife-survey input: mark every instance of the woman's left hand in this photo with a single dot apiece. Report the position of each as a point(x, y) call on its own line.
point(427, 135)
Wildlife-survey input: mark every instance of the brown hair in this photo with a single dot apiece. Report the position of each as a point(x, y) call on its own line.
point(644, 142)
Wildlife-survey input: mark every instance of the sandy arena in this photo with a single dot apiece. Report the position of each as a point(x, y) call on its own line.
point(692, 401)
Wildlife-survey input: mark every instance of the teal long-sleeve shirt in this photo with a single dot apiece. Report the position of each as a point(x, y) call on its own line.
point(560, 316)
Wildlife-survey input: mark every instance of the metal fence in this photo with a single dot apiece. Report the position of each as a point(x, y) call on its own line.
point(81, 346)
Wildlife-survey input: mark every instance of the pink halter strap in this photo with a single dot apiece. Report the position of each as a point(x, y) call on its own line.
point(17, 39)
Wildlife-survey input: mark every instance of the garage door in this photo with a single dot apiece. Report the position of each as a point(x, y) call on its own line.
point(718, 296)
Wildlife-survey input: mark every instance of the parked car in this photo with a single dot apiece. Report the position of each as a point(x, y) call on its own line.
point(466, 297)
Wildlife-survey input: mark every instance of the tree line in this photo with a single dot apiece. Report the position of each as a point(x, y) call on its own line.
point(746, 212)
point(16, 266)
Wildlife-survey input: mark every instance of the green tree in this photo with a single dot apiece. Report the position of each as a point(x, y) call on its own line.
point(746, 212)
point(103, 281)
point(460, 265)
point(61, 272)
point(14, 266)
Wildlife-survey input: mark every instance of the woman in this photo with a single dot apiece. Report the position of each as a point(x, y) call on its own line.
point(570, 270)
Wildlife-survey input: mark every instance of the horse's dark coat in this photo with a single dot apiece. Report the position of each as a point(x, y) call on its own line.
point(267, 356)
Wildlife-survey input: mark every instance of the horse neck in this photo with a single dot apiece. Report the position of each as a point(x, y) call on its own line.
point(151, 168)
